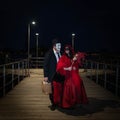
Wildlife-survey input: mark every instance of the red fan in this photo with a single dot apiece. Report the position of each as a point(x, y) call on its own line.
point(80, 56)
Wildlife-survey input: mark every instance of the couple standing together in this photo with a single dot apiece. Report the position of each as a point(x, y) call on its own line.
point(68, 92)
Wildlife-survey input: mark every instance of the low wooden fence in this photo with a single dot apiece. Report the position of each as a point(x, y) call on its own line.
point(106, 75)
point(11, 74)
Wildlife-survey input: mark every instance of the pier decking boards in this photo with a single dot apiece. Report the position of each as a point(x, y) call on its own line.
point(27, 102)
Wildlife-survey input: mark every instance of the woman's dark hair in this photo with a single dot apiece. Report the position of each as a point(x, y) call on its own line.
point(71, 51)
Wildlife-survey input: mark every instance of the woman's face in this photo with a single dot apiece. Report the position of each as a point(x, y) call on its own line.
point(67, 50)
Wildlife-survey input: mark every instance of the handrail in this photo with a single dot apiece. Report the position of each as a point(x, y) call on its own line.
point(36, 62)
point(14, 62)
point(11, 74)
point(106, 75)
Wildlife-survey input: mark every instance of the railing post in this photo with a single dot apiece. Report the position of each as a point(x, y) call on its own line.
point(23, 69)
point(4, 81)
point(85, 66)
point(116, 86)
point(12, 75)
point(26, 73)
point(91, 70)
point(97, 73)
point(105, 77)
point(18, 72)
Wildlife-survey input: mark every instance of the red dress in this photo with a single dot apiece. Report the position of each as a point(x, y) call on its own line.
point(72, 92)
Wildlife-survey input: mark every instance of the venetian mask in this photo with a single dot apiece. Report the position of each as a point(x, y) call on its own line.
point(58, 47)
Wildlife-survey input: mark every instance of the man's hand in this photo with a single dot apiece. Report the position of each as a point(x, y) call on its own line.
point(46, 79)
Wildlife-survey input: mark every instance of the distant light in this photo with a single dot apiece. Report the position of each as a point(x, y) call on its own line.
point(33, 22)
point(37, 34)
point(73, 34)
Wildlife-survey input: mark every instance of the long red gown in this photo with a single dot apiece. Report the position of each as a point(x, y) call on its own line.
point(72, 92)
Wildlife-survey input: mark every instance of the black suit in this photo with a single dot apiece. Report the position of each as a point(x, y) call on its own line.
point(50, 63)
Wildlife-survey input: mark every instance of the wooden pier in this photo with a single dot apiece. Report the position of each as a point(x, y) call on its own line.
point(27, 102)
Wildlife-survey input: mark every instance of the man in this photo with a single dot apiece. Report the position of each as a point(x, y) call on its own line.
point(50, 62)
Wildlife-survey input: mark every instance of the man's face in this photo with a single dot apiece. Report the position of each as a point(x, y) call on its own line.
point(58, 47)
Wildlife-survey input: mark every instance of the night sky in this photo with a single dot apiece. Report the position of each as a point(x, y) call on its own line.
point(96, 23)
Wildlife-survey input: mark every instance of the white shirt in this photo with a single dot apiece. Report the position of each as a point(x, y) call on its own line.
point(56, 55)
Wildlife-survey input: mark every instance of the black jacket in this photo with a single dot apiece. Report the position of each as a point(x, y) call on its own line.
point(50, 63)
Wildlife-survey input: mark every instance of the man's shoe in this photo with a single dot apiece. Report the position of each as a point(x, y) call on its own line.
point(52, 107)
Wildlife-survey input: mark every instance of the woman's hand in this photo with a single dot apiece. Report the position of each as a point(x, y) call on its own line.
point(68, 68)
point(74, 68)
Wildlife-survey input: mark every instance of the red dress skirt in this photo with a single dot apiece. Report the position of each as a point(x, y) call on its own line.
point(72, 91)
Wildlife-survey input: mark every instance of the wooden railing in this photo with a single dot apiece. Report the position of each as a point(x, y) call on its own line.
point(11, 74)
point(36, 62)
point(106, 75)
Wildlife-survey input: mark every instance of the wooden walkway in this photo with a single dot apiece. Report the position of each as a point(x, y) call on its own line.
point(27, 102)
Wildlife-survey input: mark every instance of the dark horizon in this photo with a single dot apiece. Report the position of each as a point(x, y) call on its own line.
point(95, 23)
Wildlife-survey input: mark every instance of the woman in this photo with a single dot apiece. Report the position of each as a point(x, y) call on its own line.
point(73, 91)
point(58, 82)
